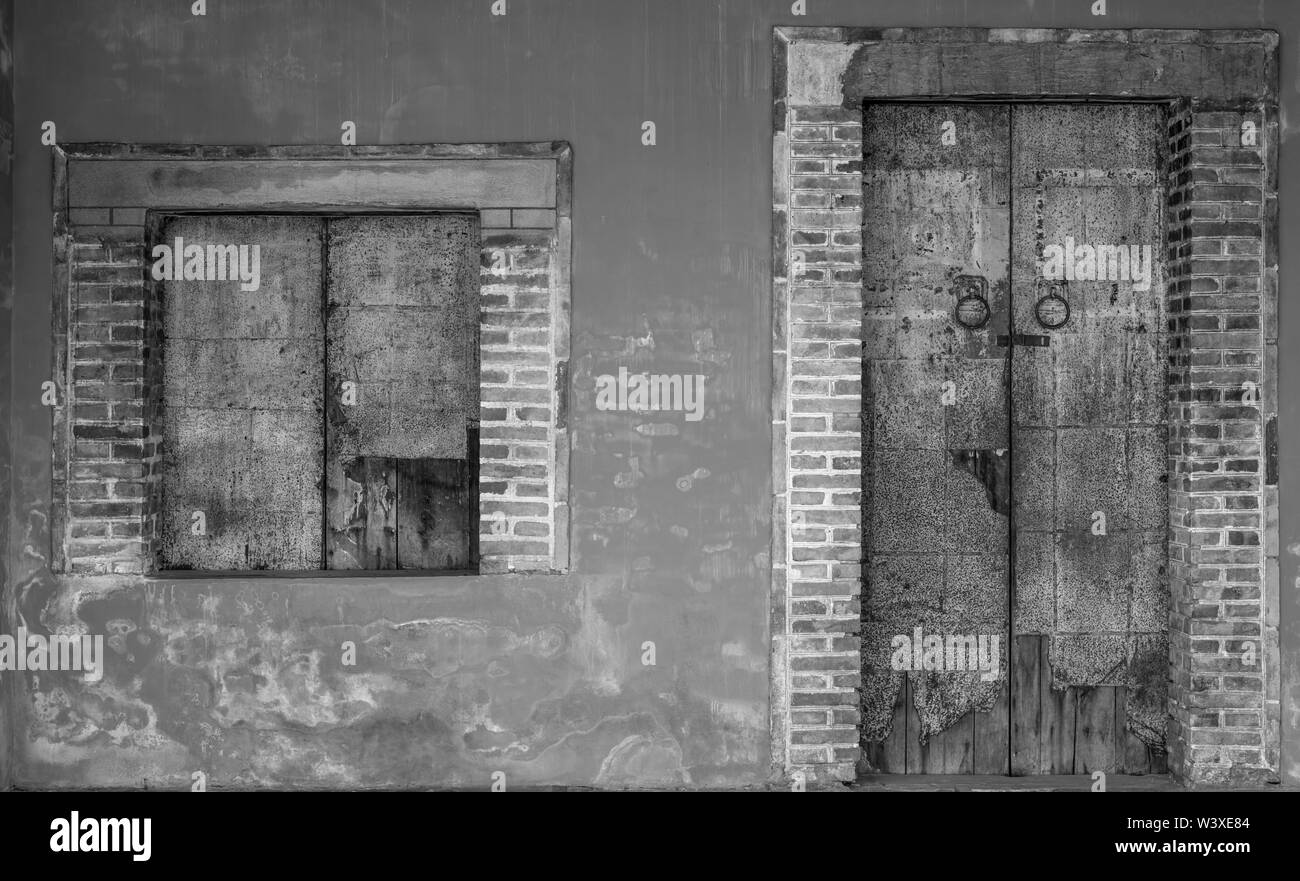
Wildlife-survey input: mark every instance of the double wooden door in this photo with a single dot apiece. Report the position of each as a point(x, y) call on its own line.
point(1014, 452)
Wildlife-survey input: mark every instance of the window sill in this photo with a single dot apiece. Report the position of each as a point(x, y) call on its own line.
point(301, 574)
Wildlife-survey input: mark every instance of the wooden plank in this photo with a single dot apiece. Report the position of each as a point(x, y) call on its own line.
point(890, 756)
point(435, 517)
point(402, 339)
point(1132, 755)
point(952, 750)
point(996, 783)
point(1026, 712)
point(242, 423)
point(261, 185)
point(992, 733)
point(916, 754)
point(1057, 728)
point(381, 513)
point(1095, 733)
point(344, 517)
point(362, 526)
point(935, 209)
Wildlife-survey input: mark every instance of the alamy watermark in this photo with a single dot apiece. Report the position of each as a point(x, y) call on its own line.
point(951, 653)
point(649, 392)
point(78, 834)
point(181, 262)
point(58, 651)
point(1082, 262)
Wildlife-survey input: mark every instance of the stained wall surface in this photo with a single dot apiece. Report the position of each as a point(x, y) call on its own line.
point(7, 691)
point(538, 676)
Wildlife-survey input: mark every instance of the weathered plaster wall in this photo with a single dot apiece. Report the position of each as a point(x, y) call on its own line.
point(6, 327)
point(537, 676)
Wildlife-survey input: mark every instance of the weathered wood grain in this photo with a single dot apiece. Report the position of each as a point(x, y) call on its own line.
point(1026, 704)
point(1088, 429)
point(402, 329)
point(1096, 734)
point(242, 424)
point(1058, 709)
point(993, 733)
point(437, 514)
point(935, 191)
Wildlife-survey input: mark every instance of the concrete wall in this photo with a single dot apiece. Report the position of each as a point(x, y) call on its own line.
point(6, 328)
point(537, 676)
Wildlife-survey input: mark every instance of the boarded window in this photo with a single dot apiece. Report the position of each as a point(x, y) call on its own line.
point(402, 327)
point(320, 399)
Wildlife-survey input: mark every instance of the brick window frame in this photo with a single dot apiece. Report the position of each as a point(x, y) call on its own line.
point(107, 446)
point(1221, 267)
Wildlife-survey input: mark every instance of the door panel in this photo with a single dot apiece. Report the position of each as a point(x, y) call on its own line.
point(1088, 436)
point(1062, 419)
point(242, 422)
point(936, 223)
point(402, 327)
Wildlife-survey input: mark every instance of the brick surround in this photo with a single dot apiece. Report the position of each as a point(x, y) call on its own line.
point(1222, 278)
point(1222, 299)
point(107, 443)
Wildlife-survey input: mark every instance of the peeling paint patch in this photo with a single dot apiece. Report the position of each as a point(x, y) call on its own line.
point(993, 469)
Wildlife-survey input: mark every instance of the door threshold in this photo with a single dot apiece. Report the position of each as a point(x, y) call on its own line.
point(999, 783)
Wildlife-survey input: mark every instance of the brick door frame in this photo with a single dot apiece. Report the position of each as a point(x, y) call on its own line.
point(106, 429)
point(1221, 271)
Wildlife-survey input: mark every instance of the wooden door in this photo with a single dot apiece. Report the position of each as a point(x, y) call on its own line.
point(1004, 410)
point(935, 233)
point(1089, 441)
